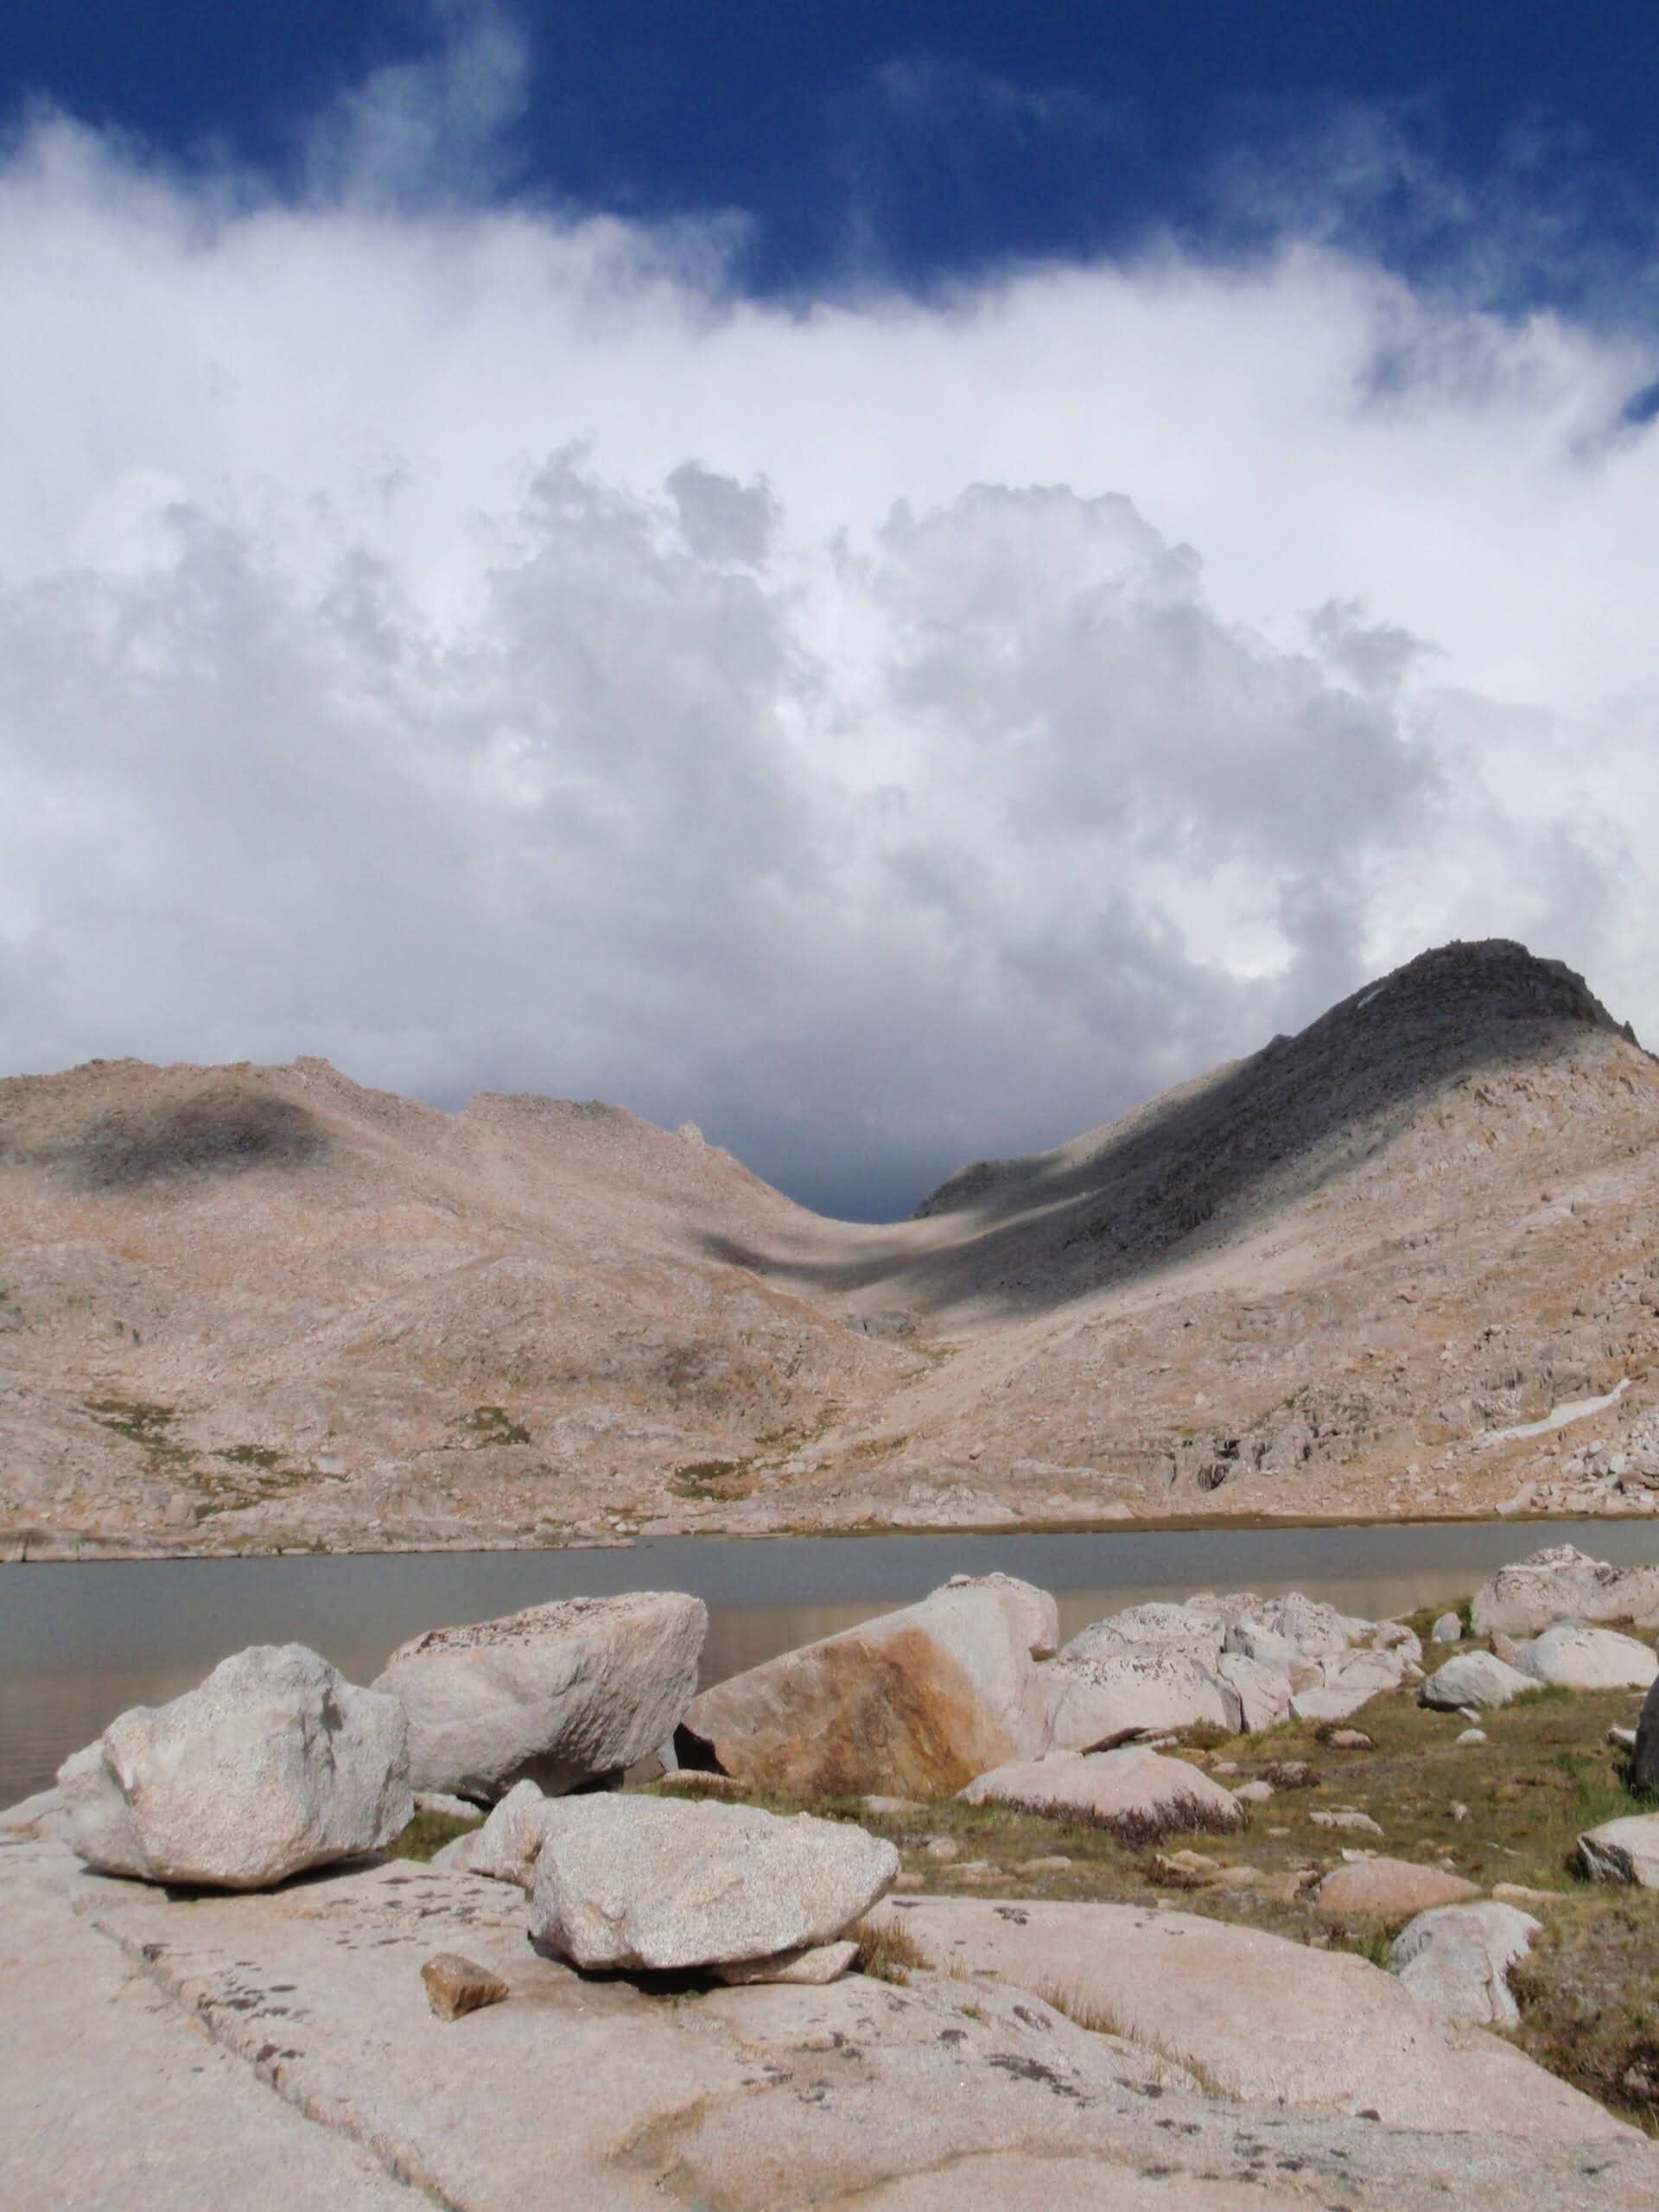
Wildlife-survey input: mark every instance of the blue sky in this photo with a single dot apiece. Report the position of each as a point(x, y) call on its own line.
point(932, 141)
point(889, 580)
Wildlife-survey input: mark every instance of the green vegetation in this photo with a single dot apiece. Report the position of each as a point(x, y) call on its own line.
point(726, 1479)
point(429, 1832)
point(878, 1447)
point(492, 1425)
point(251, 1455)
point(139, 1421)
point(1507, 1810)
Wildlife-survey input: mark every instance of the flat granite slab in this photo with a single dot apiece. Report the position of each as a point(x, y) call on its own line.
point(325, 2079)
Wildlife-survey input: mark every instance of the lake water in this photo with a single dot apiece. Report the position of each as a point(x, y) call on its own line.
point(79, 1643)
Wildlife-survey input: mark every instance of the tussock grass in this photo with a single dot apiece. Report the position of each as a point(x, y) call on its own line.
point(887, 1950)
point(1099, 2016)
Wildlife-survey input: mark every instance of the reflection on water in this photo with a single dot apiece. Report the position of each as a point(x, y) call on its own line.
point(79, 1643)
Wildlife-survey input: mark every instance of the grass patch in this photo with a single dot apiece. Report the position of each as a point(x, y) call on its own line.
point(251, 1455)
point(1589, 2000)
point(138, 1420)
point(488, 1425)
point(724, 1479)
point(1140, 1831)
point(429, 1832)
point(887, 1950)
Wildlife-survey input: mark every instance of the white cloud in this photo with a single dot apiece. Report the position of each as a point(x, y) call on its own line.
point(477, 646)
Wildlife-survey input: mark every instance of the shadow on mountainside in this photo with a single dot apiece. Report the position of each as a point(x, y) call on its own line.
point(1262, 1133)
point(218, 1131)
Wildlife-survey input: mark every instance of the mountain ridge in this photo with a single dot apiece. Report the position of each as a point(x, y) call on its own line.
point(241, 1306)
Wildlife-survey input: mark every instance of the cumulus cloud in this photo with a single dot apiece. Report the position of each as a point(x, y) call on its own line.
point(476, 645)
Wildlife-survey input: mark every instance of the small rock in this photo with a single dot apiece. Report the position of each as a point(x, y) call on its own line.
point(1297, 1774)
point(505, 1848)
point(30, 1815)
point(1055, 1863)
point(1253, 1793)
point(891, 1807)
point(1349, 1821)
point(1622, 1739)
point(1390, 1886)
point(1238, 1878)
point(1624, 1850)
point(455, 1985)
point(1349, 1739)
point(1472, 1736)
point(652, 1882)
point(1448, 1628)
point(1518, 1893)
point(1184, 1870)
point(1223, 1766)
point(1475, 1678)
point(942, 1849)
point(1128, 1785)
point(811, 1968)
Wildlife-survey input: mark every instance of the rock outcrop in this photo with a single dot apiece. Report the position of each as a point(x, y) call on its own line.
point(1579, 1658)
point(1133, 1789)
point(1100, 1698)
point(1475, 1678)
point(274, 1765)
point(658, 1884)
point(1390, 1888)
point(557, 1694)
point(1455, 1959)
point(1644, 1753)
point(257, 2059)
point(1562, 1583)
point(915, 1702)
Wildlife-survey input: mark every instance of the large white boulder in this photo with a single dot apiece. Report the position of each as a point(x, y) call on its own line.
point(914, 1703)
point(1625, 1850)
point(1475, 1678)
point(1036, 1611)
point(1132, 1787)
point(1105, 1697)
point(1580, 1658)
point(1561, 1584)
point(1348, 1681)
point(1149, 1627)
point(660, 1883)
point(274, 1763)
point(556, 1695)
point(1312, 1628)
point(1263, 1692)
point(1456, 1958)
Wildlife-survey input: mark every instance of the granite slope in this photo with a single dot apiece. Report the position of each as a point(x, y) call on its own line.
point(1405, 1262)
